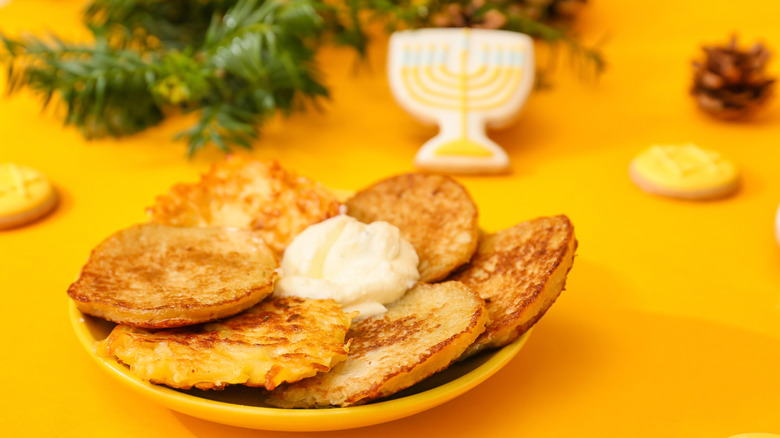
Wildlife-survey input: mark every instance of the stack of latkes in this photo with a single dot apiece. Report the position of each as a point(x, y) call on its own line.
point(192, 290)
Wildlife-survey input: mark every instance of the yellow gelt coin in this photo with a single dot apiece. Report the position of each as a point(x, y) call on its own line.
point(25, 195)
point(687, 171)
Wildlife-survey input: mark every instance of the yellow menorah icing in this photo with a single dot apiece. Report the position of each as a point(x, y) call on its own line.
point(430, 82)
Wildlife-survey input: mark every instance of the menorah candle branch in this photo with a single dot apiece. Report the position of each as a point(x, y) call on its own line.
point(464, 80)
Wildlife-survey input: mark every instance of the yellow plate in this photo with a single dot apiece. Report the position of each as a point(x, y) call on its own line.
point(243, 407)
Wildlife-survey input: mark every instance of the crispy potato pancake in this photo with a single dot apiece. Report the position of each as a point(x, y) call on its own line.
point(420, 334)
point(278, 340)
point(519, 272)
point(434, 213)
point(247, 193)
point(158, 276)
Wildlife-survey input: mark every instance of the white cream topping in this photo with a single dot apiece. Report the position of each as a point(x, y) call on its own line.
point(360, 266)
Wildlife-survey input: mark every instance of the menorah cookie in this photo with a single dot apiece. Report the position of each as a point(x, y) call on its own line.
point(25, 195)
point(464, 80)
point(686, 172)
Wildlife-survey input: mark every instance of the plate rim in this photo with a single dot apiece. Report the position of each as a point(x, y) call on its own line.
point(295, 420)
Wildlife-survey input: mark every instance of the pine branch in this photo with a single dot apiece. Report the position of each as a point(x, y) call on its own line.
point(262, 56)
point(96, 83)
point(342, 22)
point(152, 24)
point(223, 125)
point(177, 24)
point(255, 59)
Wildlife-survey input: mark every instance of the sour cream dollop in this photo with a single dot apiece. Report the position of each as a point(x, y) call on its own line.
point(360, 266)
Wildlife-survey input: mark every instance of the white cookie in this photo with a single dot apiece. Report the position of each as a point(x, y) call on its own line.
point(465, 81)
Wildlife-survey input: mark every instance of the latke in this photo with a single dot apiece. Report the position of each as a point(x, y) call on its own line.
point(420, 334)
point(519, 272)
point(247, 193)
point(159, 276)
point(434, 213)
point(278, 340)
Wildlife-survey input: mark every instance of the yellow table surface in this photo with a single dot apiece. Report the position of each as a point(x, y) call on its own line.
point(670, 323)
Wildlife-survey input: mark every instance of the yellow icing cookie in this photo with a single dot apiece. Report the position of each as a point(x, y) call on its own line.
point(756, 435)
point(688, 172)
point(25, 195)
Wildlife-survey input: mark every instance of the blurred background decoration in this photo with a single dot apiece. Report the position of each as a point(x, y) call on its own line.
point(730, 82)
point(236, 63)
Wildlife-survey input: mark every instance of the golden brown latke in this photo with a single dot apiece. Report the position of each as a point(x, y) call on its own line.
point(278, 340)
point(420, 334)
point(158, 276)
point(519, 272)
point(434, 213)
point(247, 193)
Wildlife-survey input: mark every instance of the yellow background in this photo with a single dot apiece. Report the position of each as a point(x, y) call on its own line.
point(670, 324)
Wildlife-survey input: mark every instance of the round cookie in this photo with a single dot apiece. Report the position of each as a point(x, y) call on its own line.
point(777, 226)
point(756, 435)
point(686, 172)
point(25, 195)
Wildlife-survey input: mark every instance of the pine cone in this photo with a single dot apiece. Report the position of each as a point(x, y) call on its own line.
point(554, 12)
point(460, 14)
point(730, 83)
point(456, 15)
